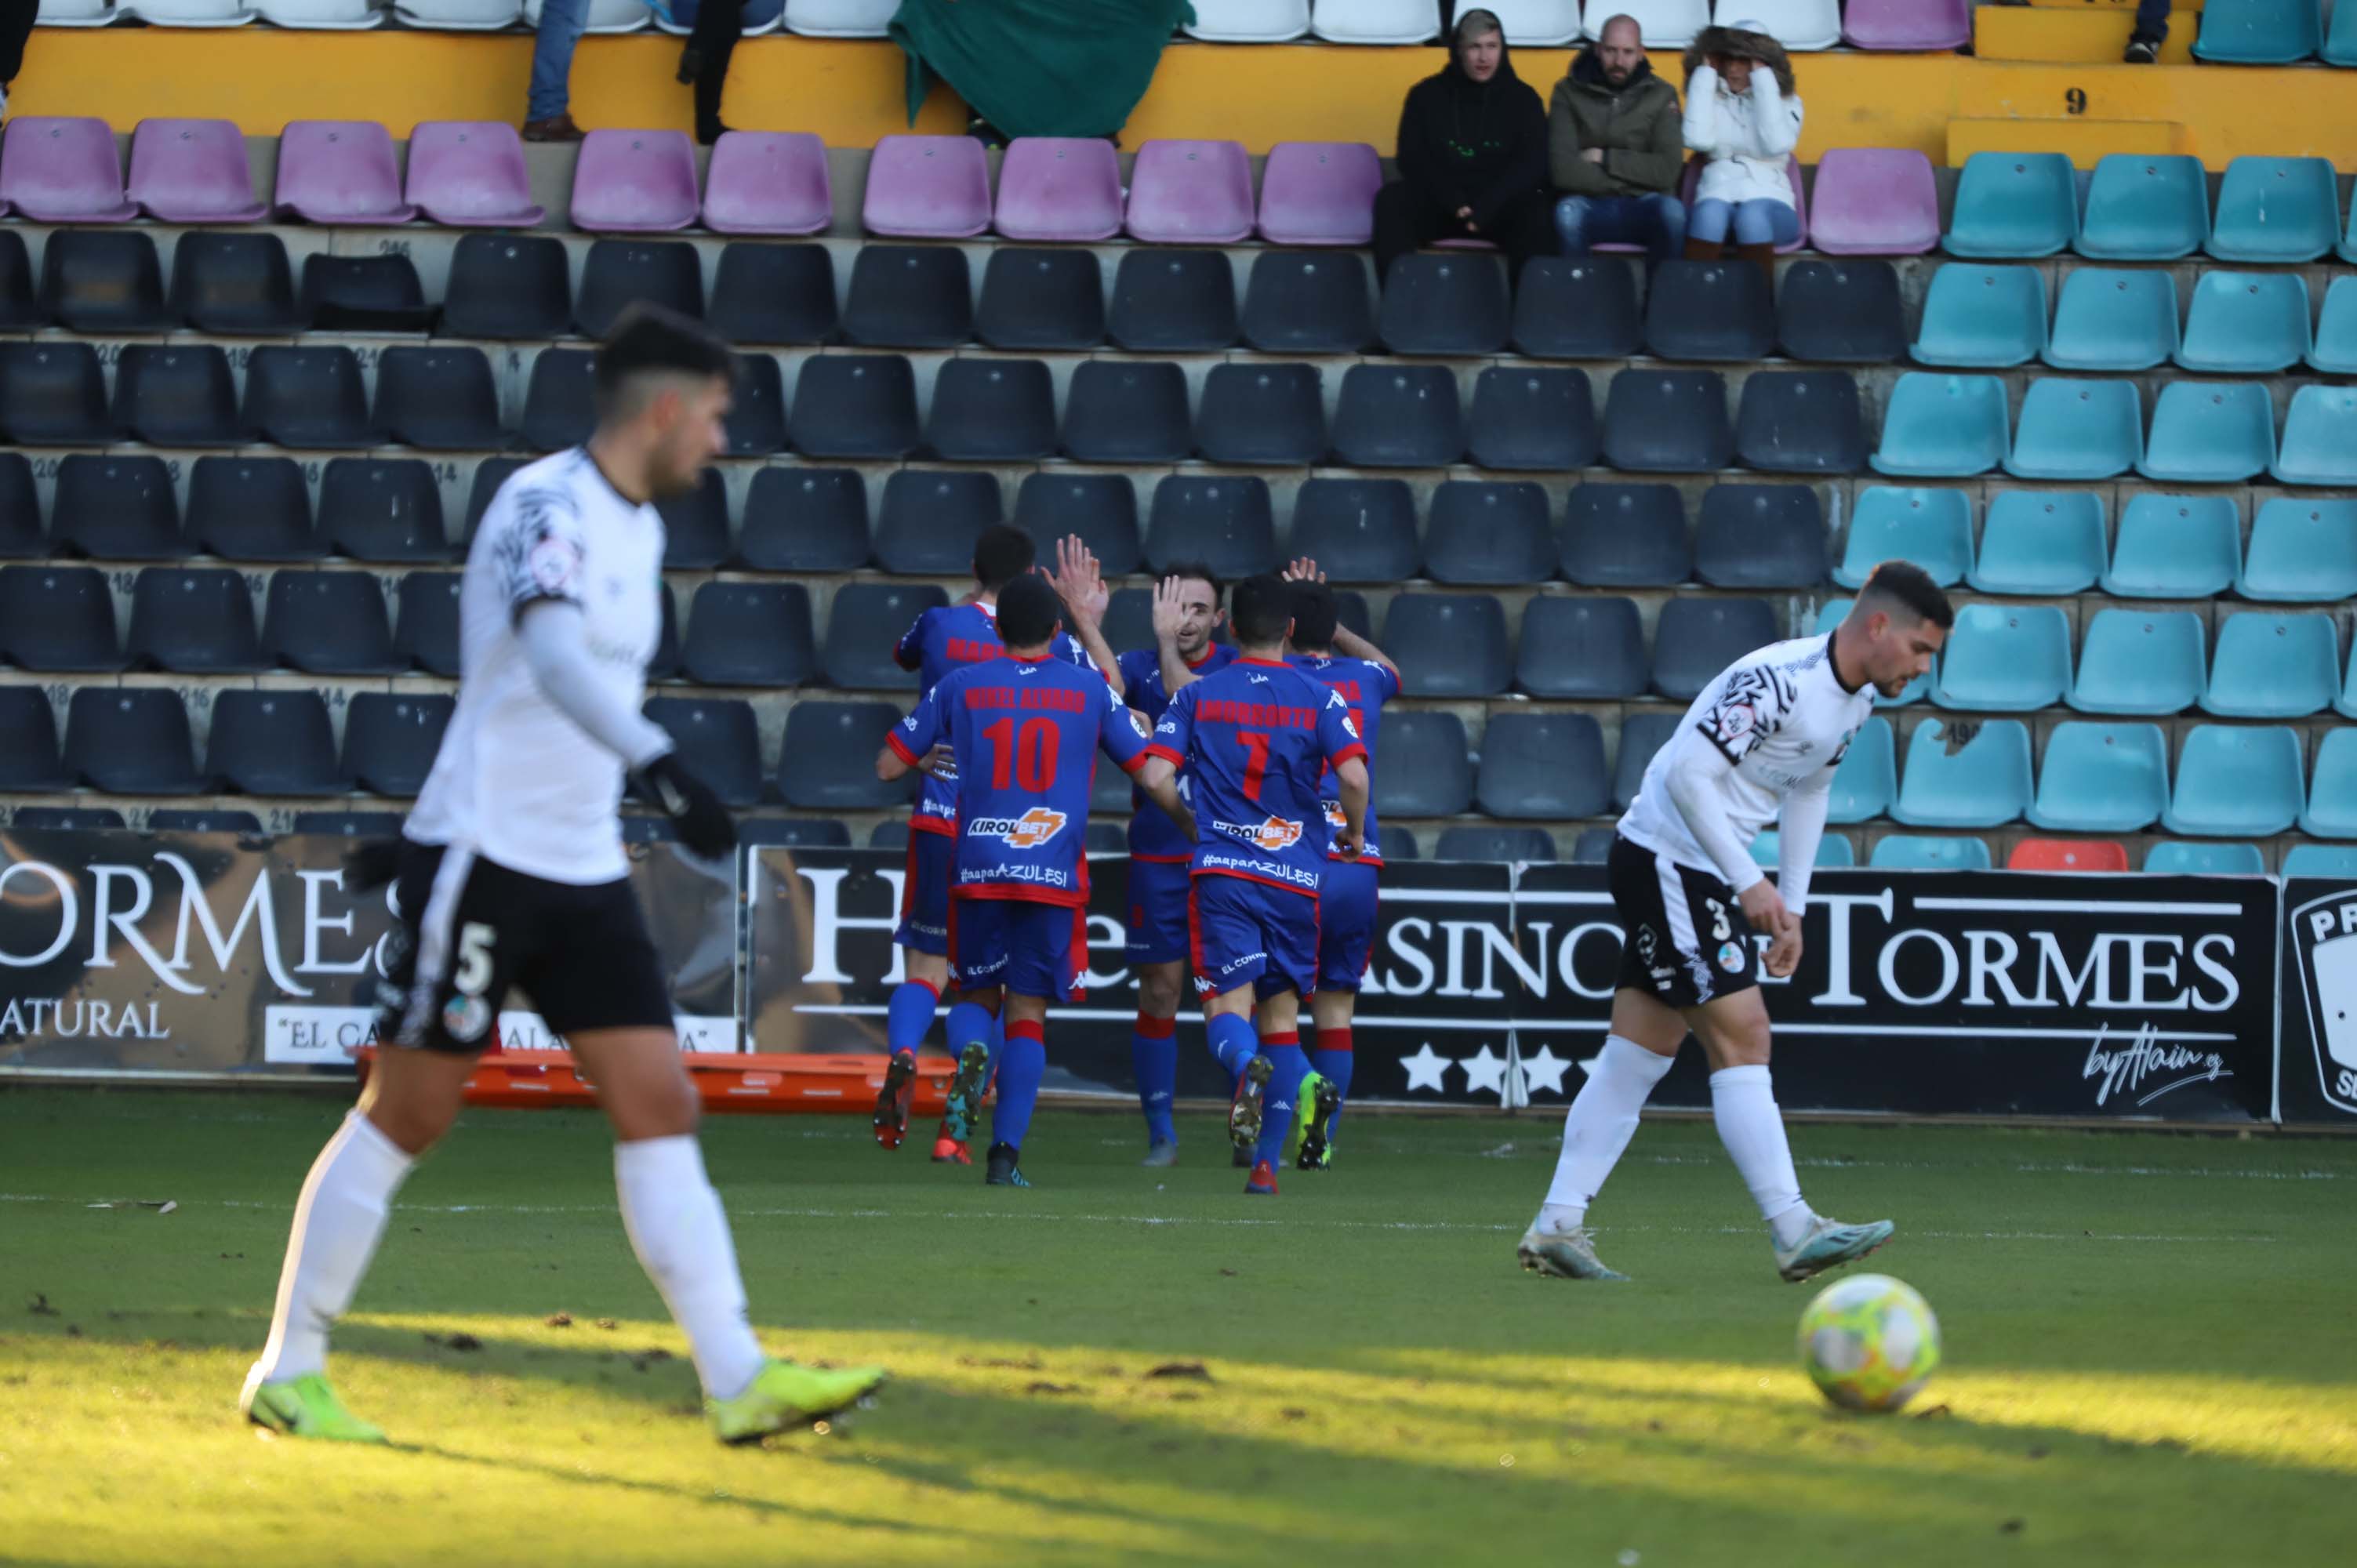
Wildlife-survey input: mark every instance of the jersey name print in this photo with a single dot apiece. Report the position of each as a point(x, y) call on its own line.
point(948, 637)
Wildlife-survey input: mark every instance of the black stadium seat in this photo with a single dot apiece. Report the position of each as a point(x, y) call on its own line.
point(1037, 300)
point(1695, 639)
point(749, 634)
point(364, 294)
point(58, 618)
point(426, 629)
point(1358, 531)
point(20, 510)
point(1586, 648)
point(71, 819)
point(389, 740)
point(193, 620)
point(1448, 645)
point(20, 308)
point(1488, 532)
point(795, 832)
point(509, 287)
point(383, 508)
point(1761, 536)
point(1709, 310)
point(1668, 422)
point(806, 520)
point(1397, 844)
point(442, 399)
point(199, 820)
point(116, 508)
point(273, 743)
point(1452, 304)
point(1626, 536)
point(235, 285)
point(251, 508)
point(1100, 509)
point(28, 741)
point(1578, 307)
point(308, 397)
point(1427, 769)
point(1475, 841)
point(619, 273)
point(717, 739)
point(1594, 847)
point(855, 405)
point(177, 395)
point(1262, 414)
point(53, 394)
point(1172, 301)
point(1309, 302)
point(560, 400)
point(350, 824)
point(1642, 735)
point(329, 623)
point(1399, 416)
point(131, 741)
point(993, 411)
point(828, 762)
point(1533, 417)
point(909, 296)
point(105, 283)
point(773, 294)
point(930, 518)
point(665, 663)
point(482, 489)
point(1801, 422)
point(864, 623)
point(1223, 522)
point(1545, 766)
point(891, 833)
point(757, 412)
point(1127, 410)
point(696, 525)
point(1845, 311)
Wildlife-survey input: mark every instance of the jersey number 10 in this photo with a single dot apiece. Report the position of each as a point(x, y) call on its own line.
point(1027, 757)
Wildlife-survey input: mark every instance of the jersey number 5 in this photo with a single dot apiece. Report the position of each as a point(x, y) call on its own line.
point(1027, 756)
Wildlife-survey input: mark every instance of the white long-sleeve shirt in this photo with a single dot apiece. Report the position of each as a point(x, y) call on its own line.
point(1747, 137)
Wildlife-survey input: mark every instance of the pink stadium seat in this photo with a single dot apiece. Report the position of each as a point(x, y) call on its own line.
point(1692, 182)
point(767, 182)
point(1191, 193)
point(1319, 193)
point(926, 188)
point(57, 170)
point(1908, 23)
point(1059, 188)
point(634, 182)
point(192, 171)
point(1875, 201)
point(470, 174)
point(339, 171)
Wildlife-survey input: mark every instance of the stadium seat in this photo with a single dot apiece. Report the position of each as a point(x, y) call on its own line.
point(1867, 780)
point(1845, 313)
point(55, 618)
point(696, 525)
point(1100, 509)
point(1874, 201)
point(1912, 24)
point(2113, 319)
point(1427, 768)
point(864, 623)
point(20, 510)
point(1642, 735)
point(2236, 782)
point(1495, 844)
point(2340, 39)
point(2077, 429)
point(1129, 619)
point(176, 395)
point(2302, 550)
point(389, 740)
point(749, 634)
point(2013, 206)
point(756, 413)
point(385, 509)
point(234, 284)
point(193, 621)
point(2335, 348)
point(1065, 189)
point(1127, 410)
point(471, 175)
point(1801, 422)
point(2068, 855)
point(71, 819)
point(1936, 426)
point(839, 18)
point(1668, 422)
point(363, 294)
point(2005, 658)
point(1663, 24)
point(132, 741)
point(1931, 528)
point(56, 169)
point(1532, 417)
point(510, 286)
point(767, 182)
point(2039, 544)
point(930, 518)
point(1696, 639)
point(2246, 323)
point(350, 824)
point(808, 833)
point(634, 182)
point(1710, 311)
point(1761, 536)
point(425, 626)
point(1375, 21)
point(2145, 208)
point(2171, 857)
point(717, 739)
point(619, 273)
point(1260, 412)
point(2259, 32)
point(2210, 433)
point(103, 281)
point(2272, 667)
point(1538, 24)
point(53, 394)
point(992, 411)
point(1398, 417)
point(1318, 193)
point(1980, 316)
point(1223, 522)
point(1191, 193)
point(116, 508)
point(192, 820)
point(2141, 661)
point(1546, 765)
point(855, 405)
point(926, 188)
point(664, 663)
point(1834, 849)
point(1922, 852)
point(329, 623)
point(2300, 860)
point(1626, 536)
point(1448, 645)
point(1309, 302)
point(2175, 547)
point(441, 399)
point(1398, 844)
point(339, 171)
point(804, 520)
point(2102, 778)
point(1358, 531)
point(2319, 437)
point(1571, 308)
point(909, 296)
point(309, 398)
point(192, 171)
point(1964, 774)
point(560, 400)
point(460, 16)
point(828, 762)
point(2331, 809)
point(1484, 533)
point(1041, 299)
point(1581, 647)
point(28, 741)
point(773, 294)
point(1454, 304)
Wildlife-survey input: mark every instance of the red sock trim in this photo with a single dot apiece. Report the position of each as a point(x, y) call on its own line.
point(1027, 1029)
point(1149, 1028)
point(1333, 1039)
point(929, 985)
point(1290, 1038)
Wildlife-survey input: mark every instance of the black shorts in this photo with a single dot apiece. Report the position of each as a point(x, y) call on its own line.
point(1684, 937)
point(469, 930)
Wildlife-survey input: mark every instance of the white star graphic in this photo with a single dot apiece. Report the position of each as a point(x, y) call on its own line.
point(1544, 1070)
point(1484, 1069)
point(1424, 1068)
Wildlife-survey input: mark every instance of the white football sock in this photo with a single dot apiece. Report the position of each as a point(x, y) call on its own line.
point(337, 1222)
point(1598, 1127)
point(681, 1235)
point(1743, 1102)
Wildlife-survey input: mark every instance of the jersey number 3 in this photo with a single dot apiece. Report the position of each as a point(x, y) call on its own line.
point(1025, 756)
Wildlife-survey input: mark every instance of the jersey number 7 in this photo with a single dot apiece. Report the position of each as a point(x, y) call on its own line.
point(1256, 763)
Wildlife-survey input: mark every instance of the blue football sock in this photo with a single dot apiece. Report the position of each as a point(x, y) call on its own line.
point(1022, 1062)
point(1234, 1042)
point(1289, 1065)
point(908, 1015)
point(1334, 1064)
point(1154, 1054)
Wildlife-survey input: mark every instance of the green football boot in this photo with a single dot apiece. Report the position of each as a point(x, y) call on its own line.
point(1313, 1103)
point(784, 1395)
point(305, 1407)
point(1828, 1245)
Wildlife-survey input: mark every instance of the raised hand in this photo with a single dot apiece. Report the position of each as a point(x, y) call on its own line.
point(1302, 570)
point(1166, 611)
point(1079, 580)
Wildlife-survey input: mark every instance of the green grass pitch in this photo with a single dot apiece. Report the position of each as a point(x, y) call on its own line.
point(2150, 1354)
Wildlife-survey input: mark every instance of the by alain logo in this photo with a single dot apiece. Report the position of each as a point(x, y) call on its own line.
point(2324, 951)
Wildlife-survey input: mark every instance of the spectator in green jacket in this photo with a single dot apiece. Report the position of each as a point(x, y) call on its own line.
point(1615, 143)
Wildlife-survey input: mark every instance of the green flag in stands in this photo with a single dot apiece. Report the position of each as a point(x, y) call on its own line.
point(1039, 67)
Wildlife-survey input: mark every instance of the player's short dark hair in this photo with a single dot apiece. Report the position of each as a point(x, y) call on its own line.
point(650, 339)
point(1003, 553)
point(1197, 572)
point(1261, 610)
point(1028, 610)
point(1906, 585)
point(1315, 614)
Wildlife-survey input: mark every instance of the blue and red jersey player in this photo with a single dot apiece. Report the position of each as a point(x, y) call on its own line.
point(1023, 732)
point(1255, 741)
point(1186, 616)
point(945, 638)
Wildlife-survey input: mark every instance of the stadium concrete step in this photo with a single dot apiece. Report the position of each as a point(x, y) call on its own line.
point(2079, 34)
point(2084, 142)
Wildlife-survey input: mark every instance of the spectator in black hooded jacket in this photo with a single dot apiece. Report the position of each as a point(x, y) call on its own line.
point(1472, 155)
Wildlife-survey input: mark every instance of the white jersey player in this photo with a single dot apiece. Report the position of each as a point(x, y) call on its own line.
point(1759, 746)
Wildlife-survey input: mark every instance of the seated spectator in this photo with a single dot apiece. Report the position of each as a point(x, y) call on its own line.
point(1742, 115)
point(1472, 155)
point(2151, 32)
point(16, 27)
point(547, 101)
point(1615, 144)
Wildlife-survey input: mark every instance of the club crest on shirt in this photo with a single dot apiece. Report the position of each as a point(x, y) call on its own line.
point(1350, 726)
point(1029, 830)
point(1137, 722)
point(1270, 835)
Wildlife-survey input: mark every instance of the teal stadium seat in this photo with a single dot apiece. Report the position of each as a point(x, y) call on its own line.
point(2210, 433)
point(2340, 41)
point(1964, 774)
point(2102, 778)
point(1943, 427)
point(2077, 429)
point(2236, 782)
point(2111, 319)
point(2302, 550)
point(1830, 617)
point(2347, 706)
point(1832, 850)
point(2040, 543)
point(2319, 437)
point(2175, 547)
point(2320, 860)
point(1867, 777)
point(2144, 207)
point(2259, 32)
point(1933, 528)
point(2010, 658)
point(2141, 661)
point(2246, 324)
point(2014, 205)
point(1929, 852)
point(2335, 348)
point(2282, 211)
point(2174, 857)
point(1982, 317)
point(2273, 666)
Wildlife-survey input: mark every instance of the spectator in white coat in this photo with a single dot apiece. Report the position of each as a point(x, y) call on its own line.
point(1744, 117)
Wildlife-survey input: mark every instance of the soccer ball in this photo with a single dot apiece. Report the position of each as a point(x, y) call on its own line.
point(1869, 1342)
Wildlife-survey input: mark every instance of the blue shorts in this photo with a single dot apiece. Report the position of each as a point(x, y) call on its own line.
point(1031, 949)
point(1242, 933)
point(925, 893)
point(1157, 909)
point(1345, 924)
